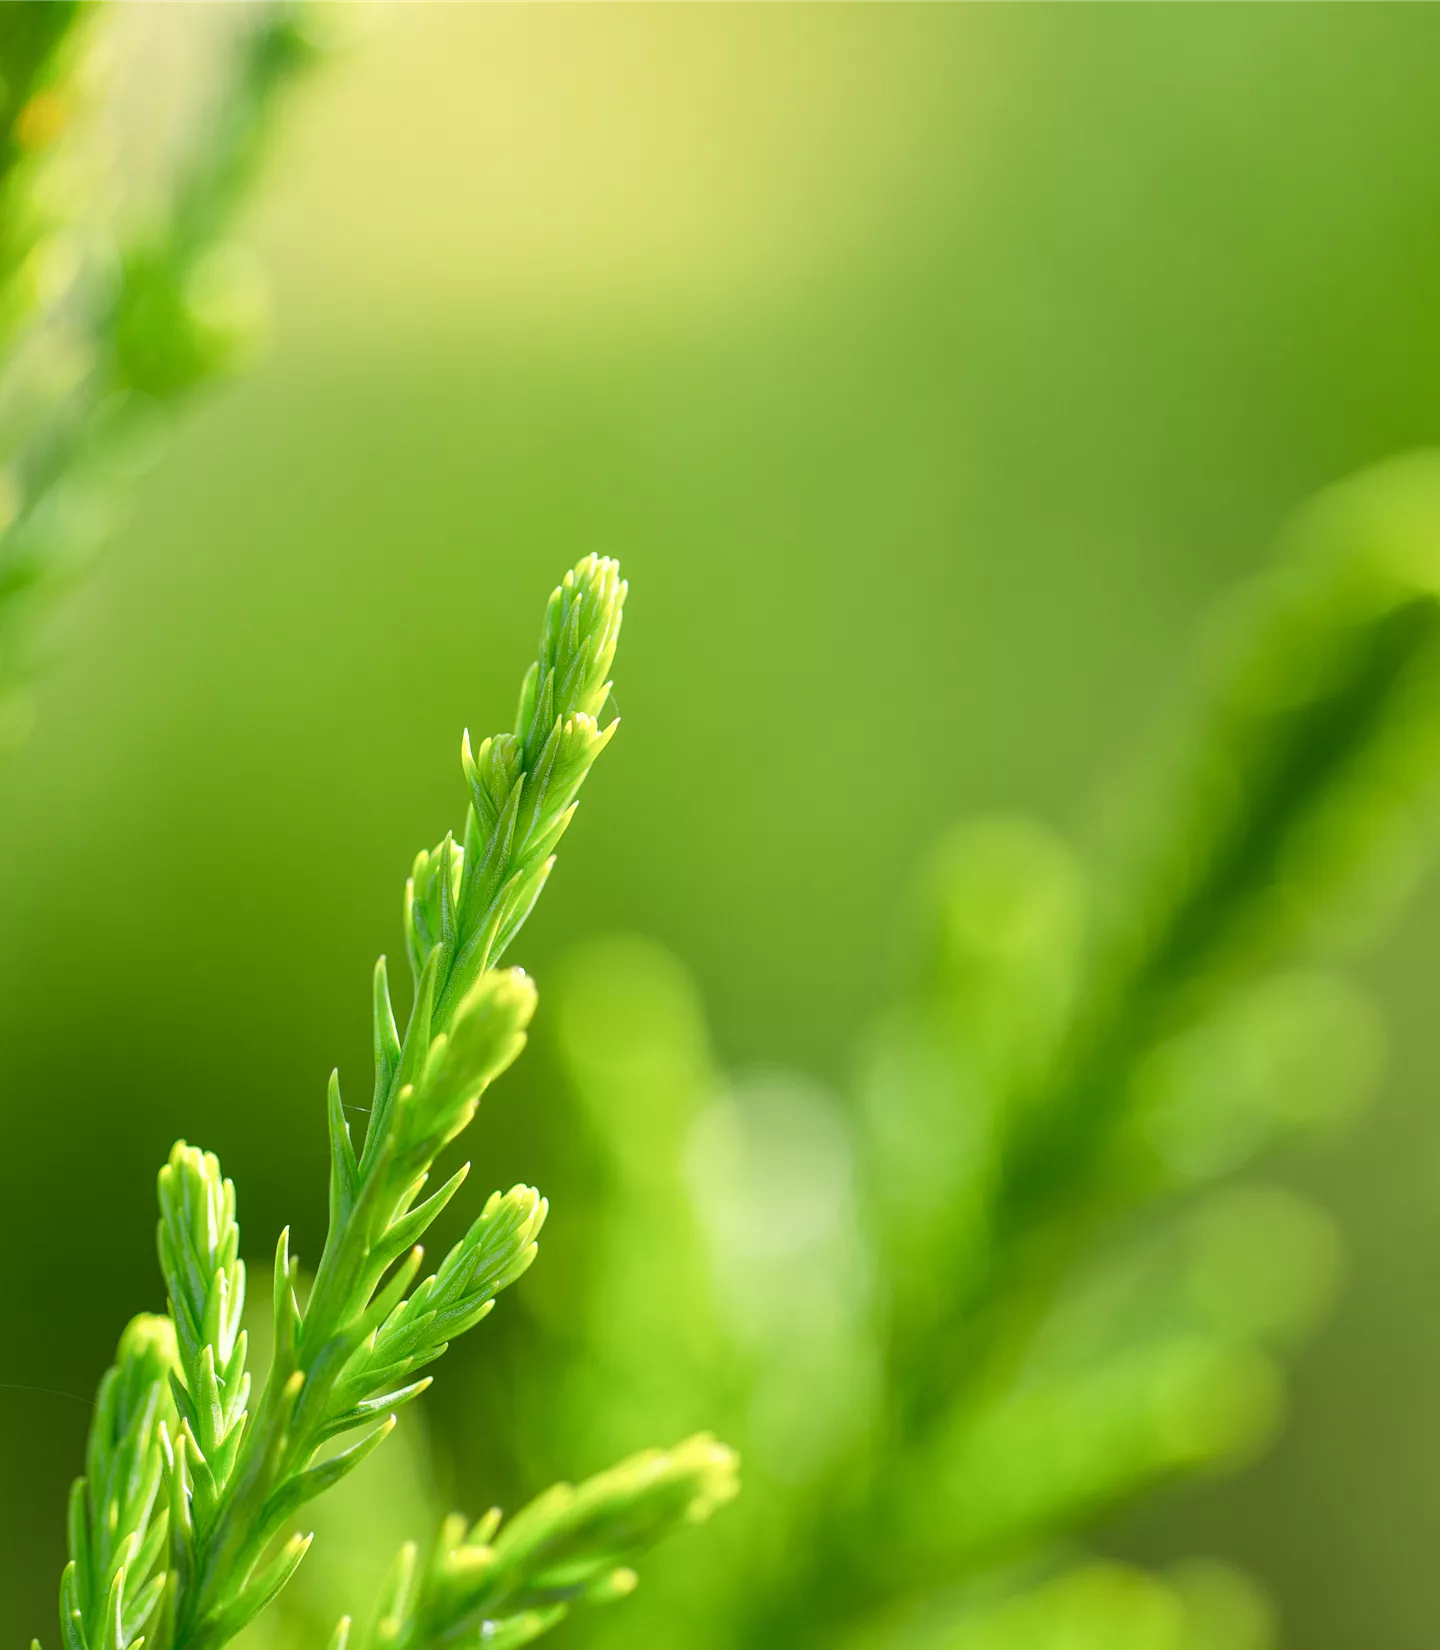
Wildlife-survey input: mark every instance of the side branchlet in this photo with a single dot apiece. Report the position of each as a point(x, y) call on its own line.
point(357, 1349)
point(112, 1586)
point(495, 1583)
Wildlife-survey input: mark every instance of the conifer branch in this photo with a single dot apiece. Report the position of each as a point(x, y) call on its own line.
point(356, 1351)
point(112, 1586)
point(180, 1537)
point(506, 1584)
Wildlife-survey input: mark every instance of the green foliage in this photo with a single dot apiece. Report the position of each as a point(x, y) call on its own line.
point(108, 324)
point(111, 1588)
point(1007, 1289)
point(36, 57)
point(199, 1245)
point(190, 1569)
point(494, 1583)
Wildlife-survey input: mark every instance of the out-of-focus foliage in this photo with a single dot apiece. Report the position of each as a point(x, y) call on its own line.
point(1008, 1290)
point(1095, 1606)
point(120, 291)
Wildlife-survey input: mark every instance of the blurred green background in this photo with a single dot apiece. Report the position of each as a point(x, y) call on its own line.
point(931, 370)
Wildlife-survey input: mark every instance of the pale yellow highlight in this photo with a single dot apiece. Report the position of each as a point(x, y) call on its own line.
point(501, 167)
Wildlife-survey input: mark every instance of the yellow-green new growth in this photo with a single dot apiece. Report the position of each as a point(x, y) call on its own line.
point(117, 1518)
point(485, 1584)
point(463, 905)
point(353, 1354)
point(181, 1535)
point(199, 1242)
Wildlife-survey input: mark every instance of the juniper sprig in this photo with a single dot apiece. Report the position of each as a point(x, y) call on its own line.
point(189, 1568)
point(506, 1584)
point(112, 1585)
point(356, 1351)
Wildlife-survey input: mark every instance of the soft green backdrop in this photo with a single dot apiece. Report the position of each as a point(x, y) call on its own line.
point(931, 370)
